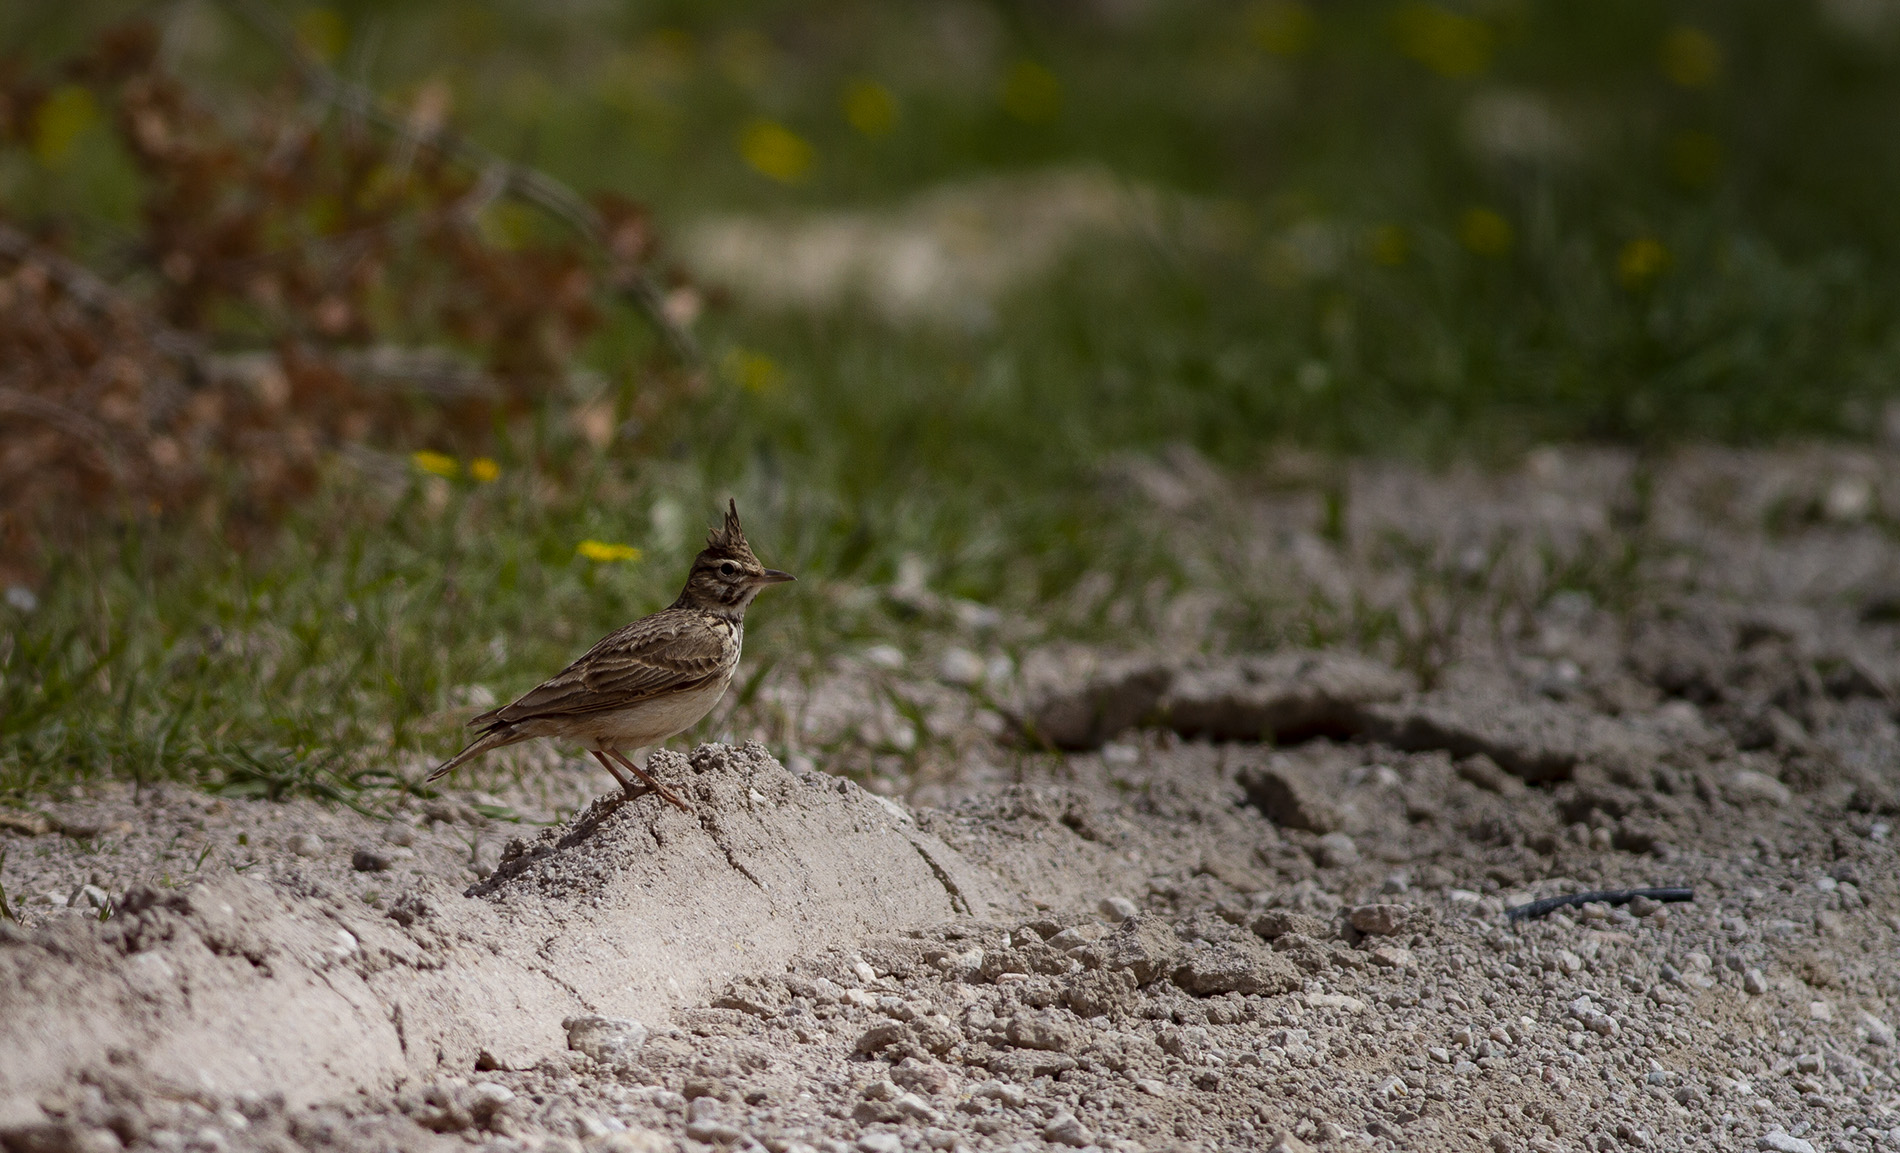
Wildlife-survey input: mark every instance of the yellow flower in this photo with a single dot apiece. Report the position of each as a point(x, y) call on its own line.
point(1641, 262)
point(1031, 93)
point(62, 119)
point(1451, 45)
point(1691, 57)
point(436, 463)
point(776, 151)
point(1485, 232)
point(600, 550)
point(484, 469)
point(322, 33)
point(755, 372)
point(1282, 27)
point(1389, 244)
point(870, 108)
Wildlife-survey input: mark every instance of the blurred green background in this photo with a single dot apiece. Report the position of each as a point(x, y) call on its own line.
point(952, 259)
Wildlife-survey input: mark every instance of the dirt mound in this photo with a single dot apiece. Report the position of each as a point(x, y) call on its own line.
point(240, 986)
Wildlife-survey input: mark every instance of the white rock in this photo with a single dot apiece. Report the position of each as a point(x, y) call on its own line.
point(1067, 1129)
point(1750, 783)
point(630, 1141)
point(1010, 1095)
point(911, 1105)
point(1341, 1001)
point(1877, 1031)
point(1778, 1142)
point(490, 1091)
point(1337, 851)
point(885, 657)
point(960, 666)
point(881, 1143)
point(1848, 499)
point(604, 1038)
point(305, 845)
point(1118, 909)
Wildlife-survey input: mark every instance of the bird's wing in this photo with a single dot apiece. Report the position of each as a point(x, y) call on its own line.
point(665, 652)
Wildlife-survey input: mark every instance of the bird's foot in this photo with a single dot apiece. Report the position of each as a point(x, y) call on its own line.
point(651, 784)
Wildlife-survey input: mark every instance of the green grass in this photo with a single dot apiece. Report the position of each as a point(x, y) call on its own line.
point(1350, 308)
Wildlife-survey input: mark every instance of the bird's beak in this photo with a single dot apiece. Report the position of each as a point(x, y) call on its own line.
point(772, 576)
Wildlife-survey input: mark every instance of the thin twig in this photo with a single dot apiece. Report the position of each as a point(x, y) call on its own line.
point(1537, 909)
point(529, 184)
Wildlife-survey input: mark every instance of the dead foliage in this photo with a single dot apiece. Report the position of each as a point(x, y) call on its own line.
point(301, 281)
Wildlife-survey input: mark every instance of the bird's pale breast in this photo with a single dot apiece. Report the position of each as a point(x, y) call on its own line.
point(650, 721)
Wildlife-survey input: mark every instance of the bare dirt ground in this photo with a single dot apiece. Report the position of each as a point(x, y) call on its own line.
point(1129, 900)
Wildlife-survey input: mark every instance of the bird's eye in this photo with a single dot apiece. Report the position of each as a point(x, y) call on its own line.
point(728, 569)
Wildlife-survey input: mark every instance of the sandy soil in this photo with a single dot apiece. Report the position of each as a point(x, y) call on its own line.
point(1244, 900)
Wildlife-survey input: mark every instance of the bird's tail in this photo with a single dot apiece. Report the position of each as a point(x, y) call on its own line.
point(493, 739)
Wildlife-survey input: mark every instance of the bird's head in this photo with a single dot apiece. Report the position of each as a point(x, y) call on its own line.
point(726, 576)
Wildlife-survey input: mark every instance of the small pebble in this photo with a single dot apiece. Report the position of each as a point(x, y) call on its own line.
point(368, 859)
point(1381, 920)
point(1118, 909)
point(305, 845)
point(1337, 851)
point(604, 1038)
point(399, 835)
point(1643, 906)
point(1066, 1129)
point(720, 1133)
point(1776, 1141)
point(1753, 983)
point(881, 1143)
point(1877, 1031)
point(961, 667)
point(885, 657)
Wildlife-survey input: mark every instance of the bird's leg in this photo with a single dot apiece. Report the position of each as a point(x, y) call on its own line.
point(617, 755)
point(632, 790)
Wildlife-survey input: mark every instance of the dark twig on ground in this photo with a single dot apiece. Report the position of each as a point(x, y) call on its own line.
point(1536, 909)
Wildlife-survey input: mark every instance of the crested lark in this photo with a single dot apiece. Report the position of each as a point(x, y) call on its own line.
point(648, 681)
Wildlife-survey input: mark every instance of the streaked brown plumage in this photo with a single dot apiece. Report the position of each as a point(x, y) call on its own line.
point(648, 681)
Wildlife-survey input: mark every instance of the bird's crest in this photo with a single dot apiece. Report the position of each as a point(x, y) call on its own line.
point(729, 537)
